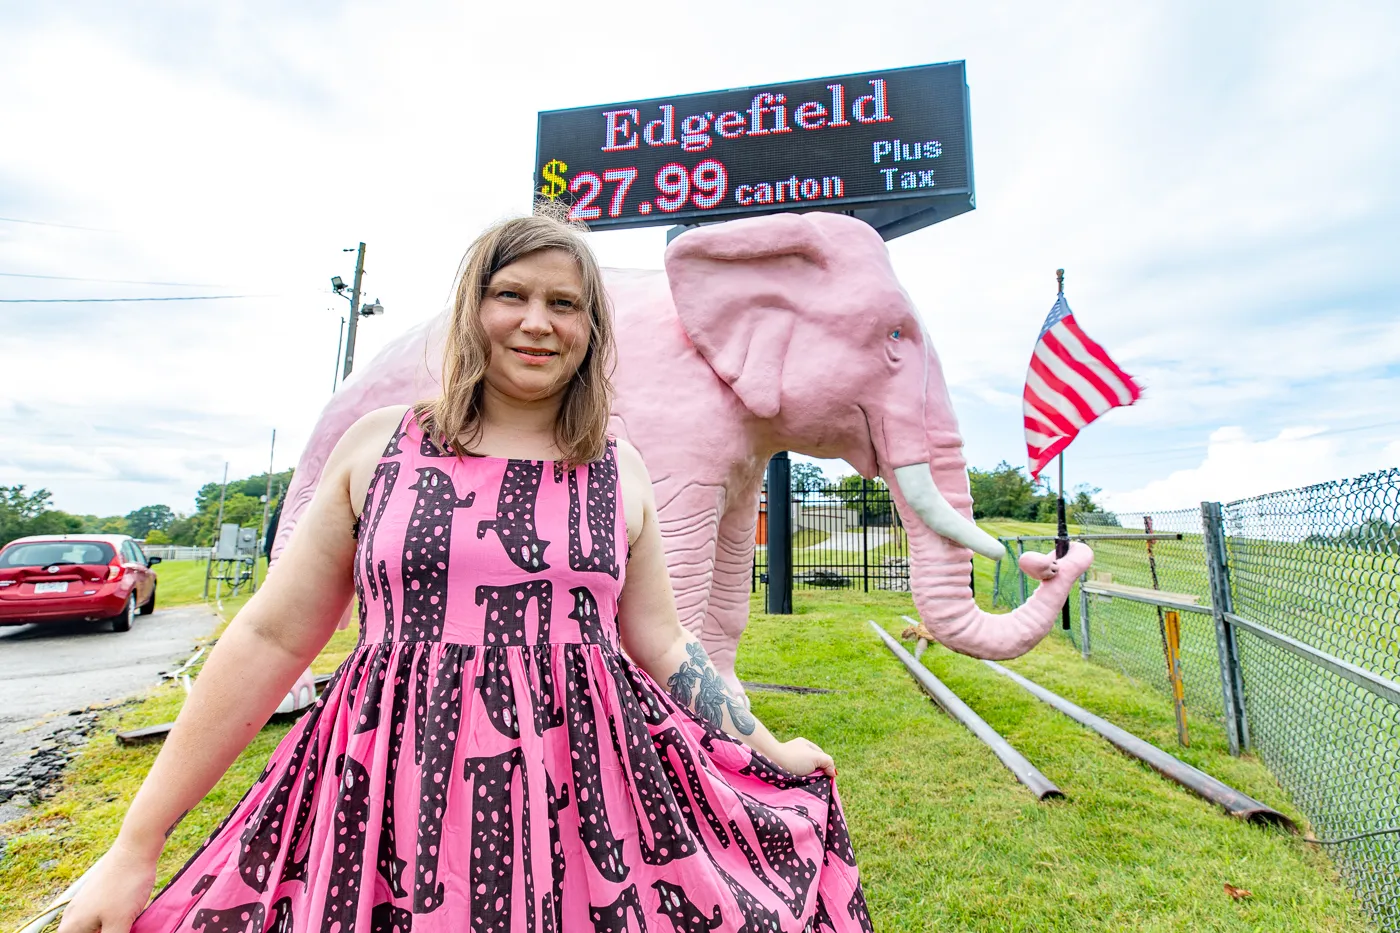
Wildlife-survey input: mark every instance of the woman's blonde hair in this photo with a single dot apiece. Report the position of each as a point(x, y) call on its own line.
point(454, 418)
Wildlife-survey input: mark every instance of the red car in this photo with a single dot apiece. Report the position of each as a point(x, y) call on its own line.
point(47, 578)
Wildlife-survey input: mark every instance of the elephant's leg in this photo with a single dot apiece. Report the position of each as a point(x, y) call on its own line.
point(689, 522)
point(728, 612)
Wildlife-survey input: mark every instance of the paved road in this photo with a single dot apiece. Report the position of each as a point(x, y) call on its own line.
point(52, 669)
point(855, 541)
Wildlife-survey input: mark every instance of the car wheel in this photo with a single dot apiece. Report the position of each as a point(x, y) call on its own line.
point(122, 623)
point(149, 606)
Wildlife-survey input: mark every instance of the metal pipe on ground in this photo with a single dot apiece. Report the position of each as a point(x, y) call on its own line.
point(1156, 536)
point(1236, 804)
point(949, 701)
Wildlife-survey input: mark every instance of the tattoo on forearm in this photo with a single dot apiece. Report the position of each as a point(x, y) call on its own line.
point(698, 679)
point(178, 819)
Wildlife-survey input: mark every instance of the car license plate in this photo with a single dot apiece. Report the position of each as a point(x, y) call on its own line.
point(50, 588)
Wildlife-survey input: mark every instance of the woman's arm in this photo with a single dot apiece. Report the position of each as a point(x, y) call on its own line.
point(655, 639)
point(257, 659)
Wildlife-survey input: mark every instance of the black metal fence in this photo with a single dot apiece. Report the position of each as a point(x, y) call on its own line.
point(1288, 607)
point(844, 536)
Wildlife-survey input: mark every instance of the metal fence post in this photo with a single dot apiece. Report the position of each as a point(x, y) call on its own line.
point(1083, 616)
point(864, 532)
point(1020, 550)
point(780, 534)
point(1231, 677)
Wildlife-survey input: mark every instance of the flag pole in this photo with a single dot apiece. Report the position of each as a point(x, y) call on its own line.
point(1062, 529)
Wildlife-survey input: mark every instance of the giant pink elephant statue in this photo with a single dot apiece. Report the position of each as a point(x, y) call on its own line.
point(787, 332)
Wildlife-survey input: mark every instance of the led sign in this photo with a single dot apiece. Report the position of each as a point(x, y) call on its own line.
point(892, 147)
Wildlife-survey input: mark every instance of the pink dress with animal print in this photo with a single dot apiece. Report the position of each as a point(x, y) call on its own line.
point(488, 760)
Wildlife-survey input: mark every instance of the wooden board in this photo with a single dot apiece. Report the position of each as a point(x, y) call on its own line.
point(1105, 588)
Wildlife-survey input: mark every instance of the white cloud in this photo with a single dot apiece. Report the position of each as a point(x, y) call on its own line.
point(1237, 466)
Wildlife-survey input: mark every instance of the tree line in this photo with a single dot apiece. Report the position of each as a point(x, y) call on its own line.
point(1005, 491)
point(23, 512)
point(1002, 492)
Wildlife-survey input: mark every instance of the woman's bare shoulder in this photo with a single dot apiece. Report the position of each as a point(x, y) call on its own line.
point(364, 441)
point(379, 424)
point(387, 418)
point(629, 459)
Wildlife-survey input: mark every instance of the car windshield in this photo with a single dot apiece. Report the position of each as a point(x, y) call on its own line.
point(44, 553)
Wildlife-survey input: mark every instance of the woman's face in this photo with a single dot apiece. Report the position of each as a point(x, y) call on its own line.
point(536, 324)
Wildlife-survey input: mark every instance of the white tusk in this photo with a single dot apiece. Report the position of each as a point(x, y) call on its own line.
point(919, 490)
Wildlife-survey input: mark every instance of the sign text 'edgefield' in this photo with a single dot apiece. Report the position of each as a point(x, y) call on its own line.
point(852, 141)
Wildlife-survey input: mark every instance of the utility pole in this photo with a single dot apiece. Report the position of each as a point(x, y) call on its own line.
point(267, 504)
point(354, 313)
point(339, 344)
point(218, 523)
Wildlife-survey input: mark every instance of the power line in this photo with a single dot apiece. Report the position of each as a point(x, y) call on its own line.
point(43, 301)
point(45, 223)
point(79, 278)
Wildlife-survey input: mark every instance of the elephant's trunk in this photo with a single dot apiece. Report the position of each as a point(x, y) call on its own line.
point(941, 569)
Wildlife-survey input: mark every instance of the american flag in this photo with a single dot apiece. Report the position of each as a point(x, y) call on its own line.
point(1071, 381)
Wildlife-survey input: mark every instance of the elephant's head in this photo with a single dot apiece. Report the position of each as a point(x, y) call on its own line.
point(803, 317)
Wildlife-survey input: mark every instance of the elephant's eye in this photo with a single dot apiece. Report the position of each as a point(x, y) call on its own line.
point(894, 334)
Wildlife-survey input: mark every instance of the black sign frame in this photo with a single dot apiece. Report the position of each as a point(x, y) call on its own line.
point(699, 139)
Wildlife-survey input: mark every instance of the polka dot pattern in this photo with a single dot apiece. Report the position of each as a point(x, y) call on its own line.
point(776, 843)
point(386, 918)
point(599, 506)
point(515, 523)
point(585, 613)
point(493, 853)
point(613, 918)
point(377, 496)
point(671, 747)
point(506, 608)
point(391, 865)
point(581, 721)
point(427, 552)
point(438, 747)
point(497, 756)
point(553, 905)
point(261, 841)
point(280, 921)
point(245, 918)
point(349, 822)
point(685, 917)
point(661, 825)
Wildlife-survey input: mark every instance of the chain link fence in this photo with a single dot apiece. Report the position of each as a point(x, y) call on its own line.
point(1321, 565)
point(1300, 593)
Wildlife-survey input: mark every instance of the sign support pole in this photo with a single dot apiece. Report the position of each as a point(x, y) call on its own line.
point(780, 534)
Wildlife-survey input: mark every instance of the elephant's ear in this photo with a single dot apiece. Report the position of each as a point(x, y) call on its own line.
point(737, 287)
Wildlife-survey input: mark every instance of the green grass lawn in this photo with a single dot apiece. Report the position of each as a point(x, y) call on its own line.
point(947, 840)
point(181, 582)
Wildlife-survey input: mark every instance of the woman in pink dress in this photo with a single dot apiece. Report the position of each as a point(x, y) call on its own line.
point(525, 738)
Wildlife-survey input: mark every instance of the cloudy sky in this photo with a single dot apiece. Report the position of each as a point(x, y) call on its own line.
point(1219, 180)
